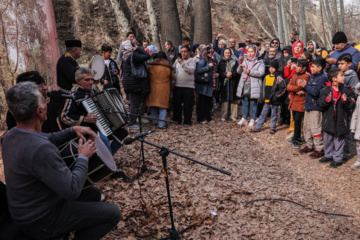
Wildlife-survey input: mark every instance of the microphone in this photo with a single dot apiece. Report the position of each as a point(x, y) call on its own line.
point(130, 140)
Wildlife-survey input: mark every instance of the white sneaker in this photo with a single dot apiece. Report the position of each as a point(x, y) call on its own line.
point(251, 123)
point(290, 136)
point(242, 122)
point(102, 199)
point(203, 122)
point(355, 165)
point(233, 119)
point(223, 119)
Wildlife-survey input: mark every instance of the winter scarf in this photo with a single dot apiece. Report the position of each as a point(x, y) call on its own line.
point(126, 50)
point(251, 61)
point(230, 63)
point(297, 55)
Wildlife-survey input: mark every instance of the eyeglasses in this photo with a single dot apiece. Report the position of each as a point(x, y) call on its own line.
point(275, 42)
point(248, 41)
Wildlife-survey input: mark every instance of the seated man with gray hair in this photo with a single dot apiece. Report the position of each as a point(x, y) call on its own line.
point(75, 114)
point(45, 198)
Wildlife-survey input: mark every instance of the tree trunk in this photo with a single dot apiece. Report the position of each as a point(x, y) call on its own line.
point(134, 27)
point(192, 19)
point(202, 22)
point(342, 15)
point(328, 22)
point(170, 23)
point(330, 17)
point(280, 33)
point(153, 24)
point(285, 22)
point(120, 18)
point(335, 14)
point(302, 22)
point(271, 16)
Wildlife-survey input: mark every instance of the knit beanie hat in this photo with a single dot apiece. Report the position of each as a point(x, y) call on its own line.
point(339, 37)
point(275, 64)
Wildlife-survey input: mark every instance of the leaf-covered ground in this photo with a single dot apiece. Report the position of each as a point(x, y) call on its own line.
point(262, 166)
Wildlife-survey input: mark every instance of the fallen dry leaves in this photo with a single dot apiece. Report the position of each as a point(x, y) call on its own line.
point(262, 166)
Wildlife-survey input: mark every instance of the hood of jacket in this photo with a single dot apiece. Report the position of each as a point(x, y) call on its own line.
point(314, 43)
point(350, 73)
point(279, 47)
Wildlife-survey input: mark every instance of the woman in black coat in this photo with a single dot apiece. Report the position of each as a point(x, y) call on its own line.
point(229, 81)
point(135, 89)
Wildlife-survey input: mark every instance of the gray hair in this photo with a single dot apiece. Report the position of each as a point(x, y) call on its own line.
point(23, 99)
point(83, 70)
point(223, 42)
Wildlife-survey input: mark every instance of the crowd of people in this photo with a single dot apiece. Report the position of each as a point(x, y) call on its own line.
point(311, 89)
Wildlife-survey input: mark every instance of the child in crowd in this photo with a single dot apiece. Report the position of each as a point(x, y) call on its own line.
point(355, 127)
point(306, 55)
point(297, 98)
point(337, 100)
point(272, 93)
point(351, 79)
point(313, 113)
point(344, 63)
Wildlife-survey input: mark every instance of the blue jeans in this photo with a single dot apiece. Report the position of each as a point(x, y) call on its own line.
point(265, 111)
point(245, 108)
point(113, 147)
point(159, 113)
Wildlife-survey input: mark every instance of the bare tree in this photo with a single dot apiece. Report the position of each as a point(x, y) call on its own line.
point(120, 17)
point(285, 22)
point(153, 24)
point(342, 15)
point(302, 21)
point(270, 15)
point(256, 17)
point(202, 22)
point(280, 32)
point(170, 22)
point(335, 14)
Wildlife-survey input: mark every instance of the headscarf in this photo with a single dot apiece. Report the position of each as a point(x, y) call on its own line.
point(126, 49)
point(204, 53)
point(297, 55)
point(230, 63)
point(251, 60)
point(151, 50)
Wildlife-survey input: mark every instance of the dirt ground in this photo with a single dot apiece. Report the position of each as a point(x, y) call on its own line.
point(263, 166)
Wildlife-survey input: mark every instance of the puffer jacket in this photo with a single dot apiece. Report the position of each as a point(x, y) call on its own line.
point(257, 73)
point(312, 88)
point(335, 116)
point(132, 85)
point(278, 91)
point(297, 102)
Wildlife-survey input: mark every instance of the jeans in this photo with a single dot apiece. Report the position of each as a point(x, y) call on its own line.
point(159, 113)
point(265, 111)
point(245, 108)
point(113, 147)
point(86, 216)
point(297, 124)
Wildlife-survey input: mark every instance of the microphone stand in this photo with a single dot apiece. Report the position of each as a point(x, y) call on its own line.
point(164, 152)
point(143, 168)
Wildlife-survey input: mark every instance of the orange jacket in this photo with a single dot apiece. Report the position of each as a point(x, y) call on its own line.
point(297, 102)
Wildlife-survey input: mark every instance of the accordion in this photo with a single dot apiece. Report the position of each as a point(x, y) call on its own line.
point(110, 109)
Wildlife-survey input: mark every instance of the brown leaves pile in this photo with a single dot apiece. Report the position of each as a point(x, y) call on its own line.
point(262, 166)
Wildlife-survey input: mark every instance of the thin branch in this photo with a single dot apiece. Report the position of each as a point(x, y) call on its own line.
point(264, 29)
point(317, 32)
